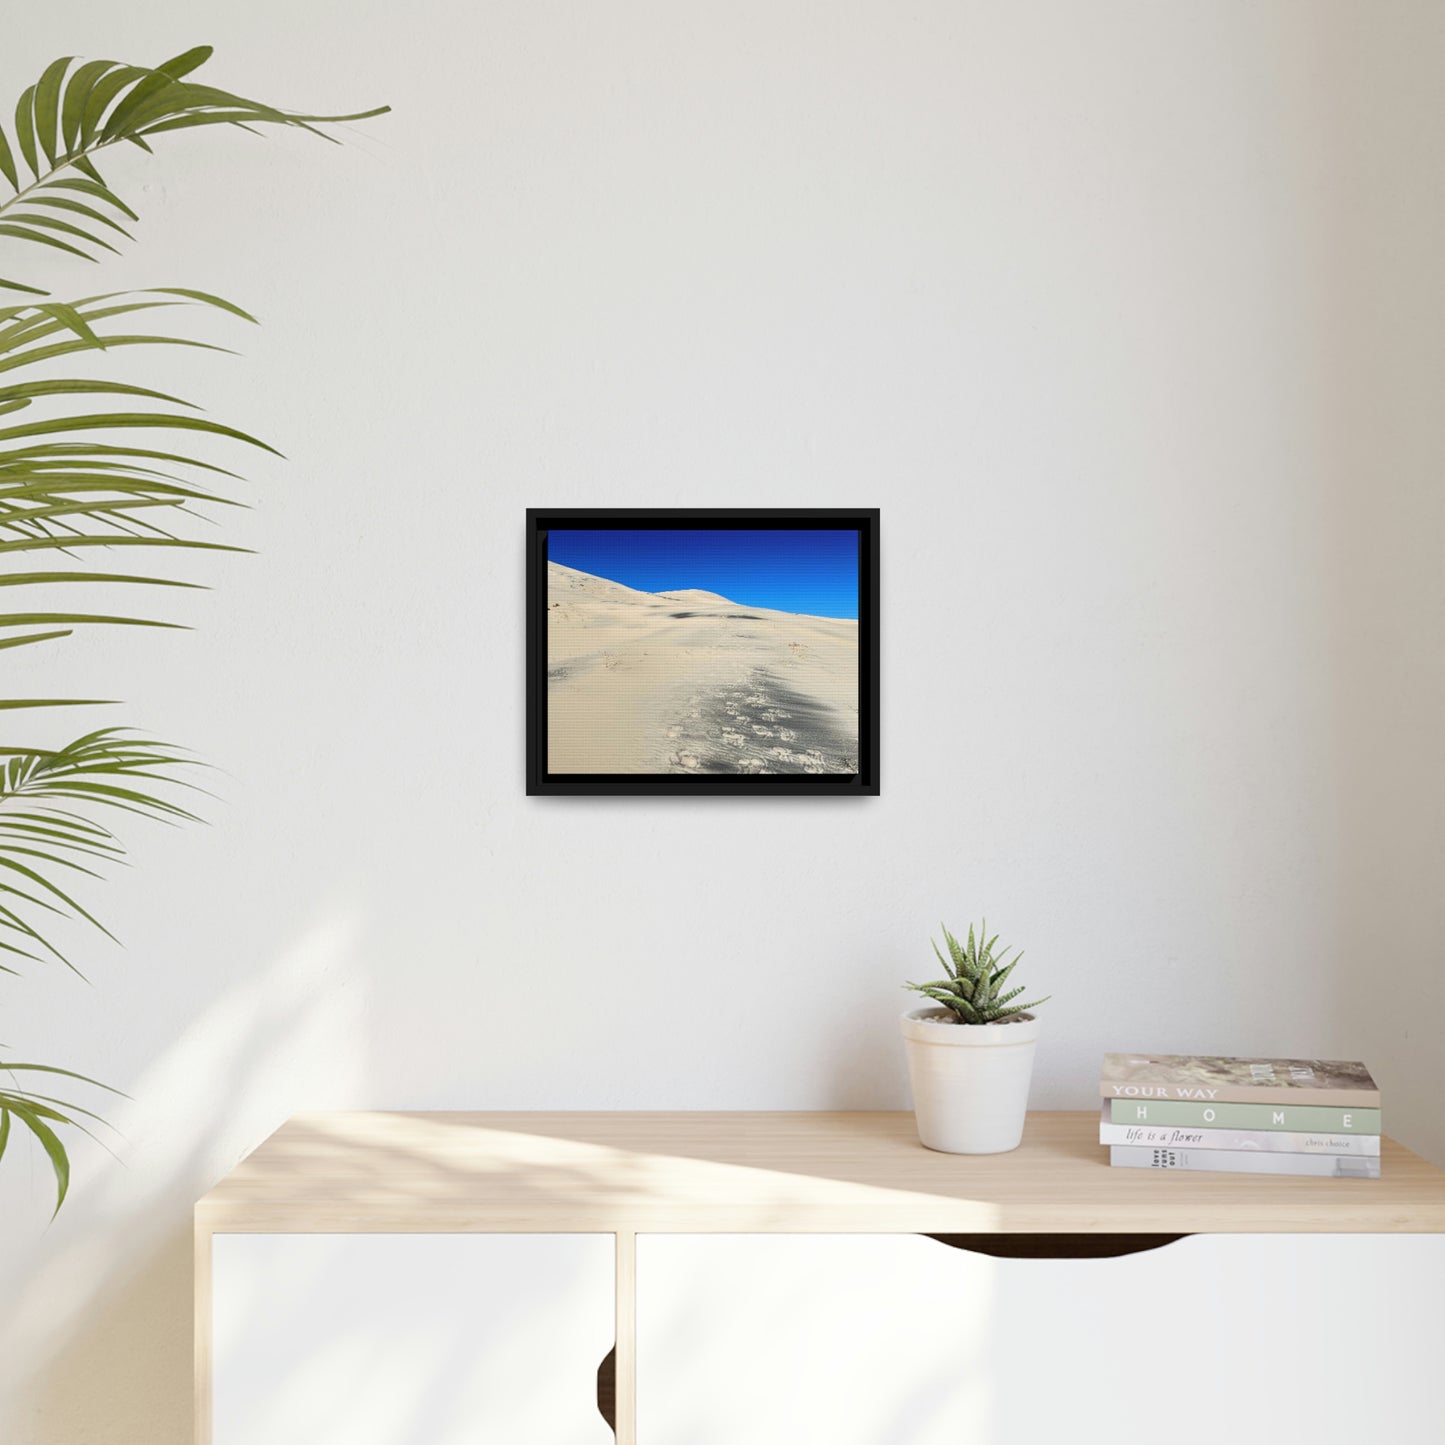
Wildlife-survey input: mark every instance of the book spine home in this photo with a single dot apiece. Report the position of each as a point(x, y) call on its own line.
point(1265, 1141)
point(1234, 1161)
point(1297, 1118)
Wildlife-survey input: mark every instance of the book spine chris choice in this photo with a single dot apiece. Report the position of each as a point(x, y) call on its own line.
point(1298, 1118)
point(1265, 1141)
point(1234, 1161)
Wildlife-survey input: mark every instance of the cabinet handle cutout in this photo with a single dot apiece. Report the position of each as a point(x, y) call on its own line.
point(607, 1389)
point(1056, 1246)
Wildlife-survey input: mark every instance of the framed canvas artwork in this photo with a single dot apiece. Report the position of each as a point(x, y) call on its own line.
point(690, 651)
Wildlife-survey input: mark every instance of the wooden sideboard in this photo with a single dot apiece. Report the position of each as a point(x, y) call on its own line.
point(714, 1243)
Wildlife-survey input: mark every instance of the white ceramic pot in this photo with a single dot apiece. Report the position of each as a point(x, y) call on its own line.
point(970, 1081)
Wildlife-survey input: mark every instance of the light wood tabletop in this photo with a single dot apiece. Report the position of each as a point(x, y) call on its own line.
point(787, 1172)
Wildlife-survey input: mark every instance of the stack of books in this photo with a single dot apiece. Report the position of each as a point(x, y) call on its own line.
point(1241, 1116)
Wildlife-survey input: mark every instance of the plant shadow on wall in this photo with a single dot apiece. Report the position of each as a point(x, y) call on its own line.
point(97, 466)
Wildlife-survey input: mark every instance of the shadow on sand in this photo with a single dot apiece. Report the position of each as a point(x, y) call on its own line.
point(764, 726)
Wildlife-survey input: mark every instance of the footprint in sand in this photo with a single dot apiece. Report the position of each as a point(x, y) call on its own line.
point(732, 739)
point(773, 714)
point(783, 755)
point(756, 699)
point(752, 765)
point(761, 731)
point(787, 735)
point(683, 760)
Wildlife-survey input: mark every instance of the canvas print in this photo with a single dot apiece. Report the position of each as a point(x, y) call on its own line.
point(704, 651)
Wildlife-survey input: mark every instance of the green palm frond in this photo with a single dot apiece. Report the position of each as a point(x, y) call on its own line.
point(70, 481)
point(46, 799)
point(75, 111)
point(40, 1112)
point(89, 465)
point(51, 801)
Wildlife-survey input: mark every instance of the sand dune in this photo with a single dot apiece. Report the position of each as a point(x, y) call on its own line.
point(692, 594)
point(690, 682)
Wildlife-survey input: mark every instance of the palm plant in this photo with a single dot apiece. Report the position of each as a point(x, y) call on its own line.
point(76, 484)
point(974, 988)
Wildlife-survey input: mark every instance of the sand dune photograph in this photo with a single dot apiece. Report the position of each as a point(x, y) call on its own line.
point(702, 652)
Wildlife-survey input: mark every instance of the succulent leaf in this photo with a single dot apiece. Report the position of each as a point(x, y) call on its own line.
point(974, 990)
point(948, 968)
point(960, 958)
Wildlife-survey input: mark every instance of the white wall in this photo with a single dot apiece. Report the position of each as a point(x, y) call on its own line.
point(1128, 315)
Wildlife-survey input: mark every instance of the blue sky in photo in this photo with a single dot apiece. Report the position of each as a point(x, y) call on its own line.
point(815, 572)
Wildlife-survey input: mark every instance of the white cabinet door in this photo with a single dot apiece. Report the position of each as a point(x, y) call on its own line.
point(900, 1340)
point(410, 1339)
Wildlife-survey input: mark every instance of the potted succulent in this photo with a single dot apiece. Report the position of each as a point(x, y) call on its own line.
point(971, 1057)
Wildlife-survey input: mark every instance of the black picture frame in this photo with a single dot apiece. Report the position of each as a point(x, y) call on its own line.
point(864, 783)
